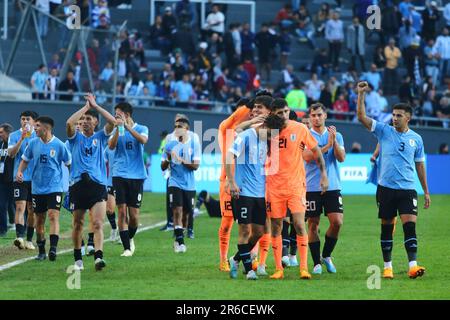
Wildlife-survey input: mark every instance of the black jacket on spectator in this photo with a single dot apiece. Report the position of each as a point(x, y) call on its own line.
point(406, 92)
point(326, 99)
point(67, 85)
point(7, 175)
point(230, 52)
point(429, 23)
point(169, 23)
point(184, 40)
point(264, 42)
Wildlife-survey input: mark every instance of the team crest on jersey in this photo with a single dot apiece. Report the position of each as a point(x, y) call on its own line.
point(52, 153)
point(412, 143)
point(94, 142)
point(293, 137)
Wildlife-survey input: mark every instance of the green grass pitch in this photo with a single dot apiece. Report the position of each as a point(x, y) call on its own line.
point(156, 272)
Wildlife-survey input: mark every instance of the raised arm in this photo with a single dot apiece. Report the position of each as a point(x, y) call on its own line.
point(111, 121)
point(12, 152)
point(139, 137)
point(72, 121)
point(420, 168)
point(339, 150)
point(361, 110)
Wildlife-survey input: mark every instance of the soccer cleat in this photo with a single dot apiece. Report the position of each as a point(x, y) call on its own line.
point(90, 250)
point(261, 271)
point(41, 257)
point(388, 273)
point(167, 227)
point(52, 255)
point(329, 264)
point(234, 268)
point(224, 267)
point(114, 235)
point(177, 247)
point(251, 275)
point(279, 274)
point(132, 246)
point(255, 263)
point(317, 269)
point(196, 212)
point(416, 271)
point(19, 243)
point(293, 260)
point(83, 251)
point(183, 248)
point(29, 245)
point(78, 266)
point(126, 253)
point(190, 234)
point(285, 262)
point(304, 274)
point(99, 264)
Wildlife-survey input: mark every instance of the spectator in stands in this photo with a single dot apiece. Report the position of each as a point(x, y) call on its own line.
point(373, 77)
point(158, 39)
point(411, 54)
point(431, 61)
point(334, 33)
point(250, 67)
point(287, 79)
point(55, 63)
point(137, 49)
point(404, 8)
point(150, 84)
point(350, 75)
point(406, 34)
point(166, 89)
point(247, 42)
point(183, 91)
point(106, 77)
point(339, 106)
point(84, 6)
point(184, 39)
point(323, 15)
point(44, 7)
point(443, 148)
point(430, 104)
point(185, 13)
point(123, 67)
point(178, 67)
point(215, 45)
point(430, 18)
point(100, 93)
point(100, 11)
point(392, 54)
point(264, 42)
point(296, 98)
point(165, 73)
point(416, 20)
point(356, 42)
point(373, 105)
point(133, 88)
point(68, 85)
point(326, 98)
point(352, 96)
point(320, 64)
point(379, 59)
point(203, 60)
point(38, 81)
point(169, 23)
point(285, 16)
point(64, 13)
point(232, 45)
point(145, 94)
point(285, 47)
point(241, 77)
point(356, 147)
point(390, 23)
point(407, 91)
point(215, 21)
point(313, 88)
point(52, 84)
point(442, 52)
point(93, 52)
point(443, 111)
point(447, 14)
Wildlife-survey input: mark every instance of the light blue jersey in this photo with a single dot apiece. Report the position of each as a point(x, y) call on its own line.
point(251, 154)
point(128, 159)
point(180, 176)
point(47, 169)
point(398, 154)
point(313, 171)
point(14, 138)
point(88, 155)
point(109, 154)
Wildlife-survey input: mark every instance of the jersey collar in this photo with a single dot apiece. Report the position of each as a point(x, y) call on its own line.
point(53, 138)
point(324, 131)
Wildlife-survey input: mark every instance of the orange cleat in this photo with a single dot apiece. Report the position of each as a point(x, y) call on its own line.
point(388, 273)
point(416, 271)
point(278, 275)
point(224, 266)
point(304, 274)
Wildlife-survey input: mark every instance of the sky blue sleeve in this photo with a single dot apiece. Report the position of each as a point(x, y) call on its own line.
point(419, 155)
point(143, 131)
point(13, 139)
point(238, 145)
point(28, 153)
point(340, 140)
point(66, 156)
point(378, 129)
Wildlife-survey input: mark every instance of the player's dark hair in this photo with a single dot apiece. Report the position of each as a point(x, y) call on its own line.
point(403, 106)
point(7, 127)
point(29, 113)
point(265, 100)
point(46, 120)
point(243, 102)
point(316, 106)
point(92, 113)
point(278, 103)
point(183, 120)
point(264, 92)
point(124, 107)
point(293, 115)
point(274, 122)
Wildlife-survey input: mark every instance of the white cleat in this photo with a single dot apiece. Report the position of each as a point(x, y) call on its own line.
point(90, 250)
point(132, 246)
point(29, 245)
point(127, 253)
point(251, 275)
point(196, 212)
point(183, 248)
point(293, 261)
point(285, 261)
point(19, 243)
point(114, 235)
point(78, 266)
point(261, 271)
point(317, 269)
point(176, 247)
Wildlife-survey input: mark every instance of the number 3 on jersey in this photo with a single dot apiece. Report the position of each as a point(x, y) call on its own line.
point(402, 146)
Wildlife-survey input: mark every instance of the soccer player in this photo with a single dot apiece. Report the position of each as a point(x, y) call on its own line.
point(48, 153)
point(88, 172)
point(247, 186)
point(183, 157)
point(226, 137)
point(128, 172)
point(286, 185)
point(331, 144)
point(212, 205)
point(111, 202)
point(401, 150)
point(18, 141)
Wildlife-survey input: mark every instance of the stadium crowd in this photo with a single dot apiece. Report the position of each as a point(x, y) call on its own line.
point(224, 62)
